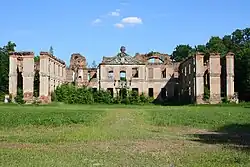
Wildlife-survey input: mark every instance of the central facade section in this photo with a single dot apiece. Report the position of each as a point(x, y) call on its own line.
point(150, 74)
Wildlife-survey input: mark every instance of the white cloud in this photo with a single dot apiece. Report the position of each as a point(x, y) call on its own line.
point(115, 13)
point(119, 25)
point(132, 20)
point(96, 21)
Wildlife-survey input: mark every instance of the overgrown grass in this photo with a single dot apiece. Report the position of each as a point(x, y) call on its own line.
point(117, 135)
point(13, 115)
point(210, 117)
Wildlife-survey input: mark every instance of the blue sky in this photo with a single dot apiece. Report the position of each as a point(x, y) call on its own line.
point(97, 28)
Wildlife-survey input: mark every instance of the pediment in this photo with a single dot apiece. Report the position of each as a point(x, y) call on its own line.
point(121, 59)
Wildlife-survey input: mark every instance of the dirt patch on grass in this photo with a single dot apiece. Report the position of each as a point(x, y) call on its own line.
point(129, 146)
point(16, 145)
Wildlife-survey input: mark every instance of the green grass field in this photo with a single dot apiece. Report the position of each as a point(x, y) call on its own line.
point(116, 135)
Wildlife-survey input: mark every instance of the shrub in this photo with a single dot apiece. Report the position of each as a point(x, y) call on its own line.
point(102, 97)
point(2, 96)
point(70, 94)
point(19, 96)
point(206, 93)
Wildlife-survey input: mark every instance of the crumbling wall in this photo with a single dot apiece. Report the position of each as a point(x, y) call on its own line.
point(52, 74)
point(24, 61)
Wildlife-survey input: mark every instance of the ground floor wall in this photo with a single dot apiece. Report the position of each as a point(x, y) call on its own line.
point(157, 89)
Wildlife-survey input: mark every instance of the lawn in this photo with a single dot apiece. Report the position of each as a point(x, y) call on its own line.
point(118, 135)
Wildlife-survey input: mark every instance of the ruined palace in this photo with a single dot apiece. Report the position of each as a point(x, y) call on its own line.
point(153, 74)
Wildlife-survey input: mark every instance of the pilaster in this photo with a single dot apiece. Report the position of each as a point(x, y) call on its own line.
point(199, 81)
point(230, 75)
point(28, 77)
point(215, 81)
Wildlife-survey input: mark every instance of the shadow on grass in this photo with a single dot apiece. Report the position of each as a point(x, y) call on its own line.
point(233, 135)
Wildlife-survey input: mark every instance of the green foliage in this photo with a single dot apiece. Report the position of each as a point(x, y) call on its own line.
point(211, 117)
point(102, 97)
point(181, 52)
point(4, 66)
point(70, 94)
point(53, 97)
point(36, 59)
point(206, 95)
point(19, 96)
point(2, 96)
point(48, 116)
point(36, 83)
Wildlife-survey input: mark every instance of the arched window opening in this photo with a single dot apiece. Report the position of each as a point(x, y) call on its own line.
point(155, 60)
point(123, 75)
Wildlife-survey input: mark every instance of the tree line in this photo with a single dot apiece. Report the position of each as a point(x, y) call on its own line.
point(237, 42)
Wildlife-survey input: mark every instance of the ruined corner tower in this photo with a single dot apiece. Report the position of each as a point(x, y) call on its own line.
point(23, 63)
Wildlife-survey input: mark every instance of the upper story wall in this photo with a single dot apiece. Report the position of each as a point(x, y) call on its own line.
point(52, 66)
point(148, 67)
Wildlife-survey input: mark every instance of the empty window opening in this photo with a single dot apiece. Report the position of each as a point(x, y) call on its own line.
point(123, 75)
point(135, 72)
point(111, 91)
point(135, 90)
point(89, 76)
point(111, 75)
point(150, 92)
point(163, 73)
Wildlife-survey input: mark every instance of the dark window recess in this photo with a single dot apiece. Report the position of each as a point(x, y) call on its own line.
point(94, 89)
point(111, 91)
point(163, 93)
point(150, 92)
point(135, 72)
point(135, 90)
point(163, 74)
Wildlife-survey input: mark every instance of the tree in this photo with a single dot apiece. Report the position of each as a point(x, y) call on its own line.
point(4, 66)
point(181, 52)
point(51, 50)
point(215, 44)
point(201, 48)
point(94, 65)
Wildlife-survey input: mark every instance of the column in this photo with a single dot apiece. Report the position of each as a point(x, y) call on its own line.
point(56, 75)
point(199, 72)
point(52, 75)
point(215, 82)
point(12, 75)
point(44, 78)
point(98, 78)
point(64, 74)
point(28, 77)
point(230, 75)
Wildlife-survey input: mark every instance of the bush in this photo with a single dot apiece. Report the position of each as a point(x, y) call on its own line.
point(2, 96)
point(19, 96)
point(206, 93)
point(70, 94)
